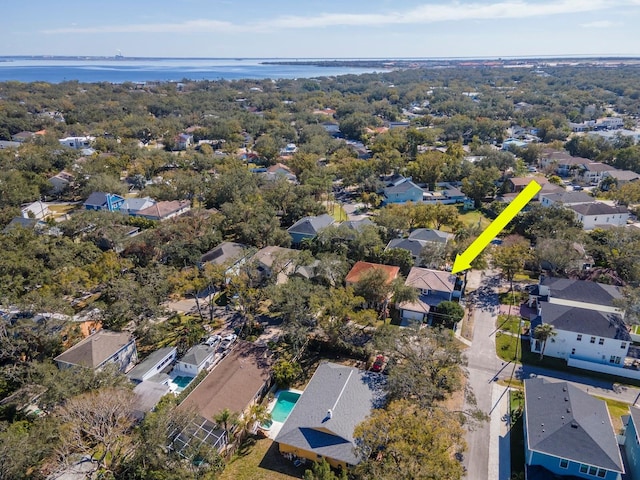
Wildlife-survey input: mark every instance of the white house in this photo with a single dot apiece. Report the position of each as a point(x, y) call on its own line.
point(583, 334)
point(593, 172)
point(38, 210)
point(78, 143)
point(197, 358)
point(565, 199)
point(594, 215)
point(156, 363)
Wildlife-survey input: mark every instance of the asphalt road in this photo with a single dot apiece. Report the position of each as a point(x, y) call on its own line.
point(483, 365)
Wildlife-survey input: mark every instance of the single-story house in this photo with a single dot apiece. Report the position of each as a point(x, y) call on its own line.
point(279, 170)
point(198, 358)
point(568, 433)
point(309, 227)
point(621, 176)
point(434, 287)
point(26, 223)
point(78, 143)
point(430, 235)
point(239, 380)
point(321, 424)
point(22, 136)
point(101, 348)
point(148, 394)
point(133, 205)
point(155, 363)
point(229, 254)
point(60, 181)
point(38, 210)
point(165, 210)
point(183, 141)
point(104, 201)
point(595, 215)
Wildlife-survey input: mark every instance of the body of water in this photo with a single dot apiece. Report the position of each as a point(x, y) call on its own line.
point(146, 70)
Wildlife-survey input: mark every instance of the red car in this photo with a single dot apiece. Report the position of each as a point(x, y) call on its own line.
point(379, 363)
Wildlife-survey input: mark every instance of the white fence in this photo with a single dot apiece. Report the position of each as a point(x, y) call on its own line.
point(603, 368)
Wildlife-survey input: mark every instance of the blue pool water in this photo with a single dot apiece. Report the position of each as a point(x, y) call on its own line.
point(182, 381)
point(284, 404)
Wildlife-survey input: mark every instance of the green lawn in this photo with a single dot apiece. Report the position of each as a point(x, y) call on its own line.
point(616, 410)
point(59, 210)
point(260, 461)
point(513, 298)
point(506, 348)
point(472, 217)
point(511, 323)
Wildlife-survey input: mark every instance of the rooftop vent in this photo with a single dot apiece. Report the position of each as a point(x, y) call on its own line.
point(329, 413)
point(574, 425)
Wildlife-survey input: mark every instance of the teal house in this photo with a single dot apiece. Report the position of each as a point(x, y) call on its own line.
point(568, 434)
point(309, 227)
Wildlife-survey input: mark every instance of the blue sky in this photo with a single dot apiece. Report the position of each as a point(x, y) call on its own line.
point(328, 28)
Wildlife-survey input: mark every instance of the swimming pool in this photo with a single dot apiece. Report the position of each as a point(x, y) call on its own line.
point(284, 404)
point(182, 382)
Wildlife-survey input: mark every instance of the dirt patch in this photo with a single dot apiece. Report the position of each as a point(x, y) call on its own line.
point(467, 325)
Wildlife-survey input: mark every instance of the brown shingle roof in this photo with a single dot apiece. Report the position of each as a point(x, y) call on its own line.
point(361, 268)
point(427, 279)
point(233, 383)
point(95, 349)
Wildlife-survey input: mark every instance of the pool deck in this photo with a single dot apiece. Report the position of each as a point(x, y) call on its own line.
point(277, 426)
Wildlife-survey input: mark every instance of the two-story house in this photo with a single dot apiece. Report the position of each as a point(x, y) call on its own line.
point(198, 358)
point(100, 349)
point(594, 215)
point(434, 287)
point(104, 201)
point(568, 434)
point(403, 192)
point(309, 227)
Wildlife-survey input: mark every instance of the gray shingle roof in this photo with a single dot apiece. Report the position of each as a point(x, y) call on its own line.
point(635, 416)
point(430, 235)
point(358, 225)
point(311, 225)
point(582, 290)
point(95, 349)
point(597, 209)
point(413, 245)
point(223, 253)
point(584, 320)
point(566, 422)
point(97, 199)
point(428, 279)
point(197, 354)
point(143, 367)
point(350, 394)
point(569, 197)
point(401, 187)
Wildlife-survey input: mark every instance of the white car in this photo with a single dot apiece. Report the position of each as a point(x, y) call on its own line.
point(228, 341)
point(213, 341)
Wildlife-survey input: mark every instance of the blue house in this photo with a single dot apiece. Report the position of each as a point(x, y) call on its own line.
point(309, 227)
point(632, 443)
point(405, 191)
point(104, 201)
point(568, 433)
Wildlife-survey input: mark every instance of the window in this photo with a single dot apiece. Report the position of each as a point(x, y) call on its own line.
point(602, 472)
point(573, 351)
point(564, 463)
point(623, 345)
point(584, 468)
point(579, 338)
point(593, 340)
point(612, 359)
point(593, 470)
point(601, 341)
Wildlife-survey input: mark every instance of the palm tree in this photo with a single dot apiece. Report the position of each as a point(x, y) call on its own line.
point(225, 418)
point(257, 413)
point(542, 333)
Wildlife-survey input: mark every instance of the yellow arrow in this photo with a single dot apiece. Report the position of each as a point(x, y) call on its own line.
point(463, 260)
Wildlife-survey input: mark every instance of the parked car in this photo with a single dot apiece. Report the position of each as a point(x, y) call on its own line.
point(213, 340)
point(228, 341)
point(577, 188)
point(379, 363)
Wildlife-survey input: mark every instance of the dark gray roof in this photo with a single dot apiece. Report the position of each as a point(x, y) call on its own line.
point(582, 290)
point(224, 253)
point(358, 225)
point(565, 422)
point(197, 354)
point(401, 187)
point(28, 223)
point(569, 197)
point(430, 235)
point(150, 362)
point(96, 198)
point(311, 225)
point(597, 209)
point(350, 394)
point(584, 320)
point(413, 245)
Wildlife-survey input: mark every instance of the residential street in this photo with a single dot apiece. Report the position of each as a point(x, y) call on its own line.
point(485, 458)
point(483, 364)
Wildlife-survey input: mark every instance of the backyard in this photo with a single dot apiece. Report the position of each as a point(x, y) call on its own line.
point(260, 460)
